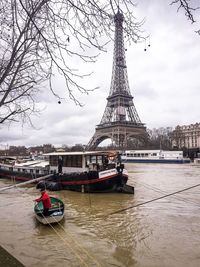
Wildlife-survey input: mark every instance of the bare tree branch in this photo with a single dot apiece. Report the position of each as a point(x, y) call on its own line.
point(38, 38)
point(189, 9)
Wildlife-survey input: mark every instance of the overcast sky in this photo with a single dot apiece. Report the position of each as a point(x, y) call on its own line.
point(164, 82)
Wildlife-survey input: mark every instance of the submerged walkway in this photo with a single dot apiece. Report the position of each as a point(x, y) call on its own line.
point(7, 260)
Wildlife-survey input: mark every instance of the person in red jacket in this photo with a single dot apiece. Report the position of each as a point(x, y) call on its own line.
point(45, 200)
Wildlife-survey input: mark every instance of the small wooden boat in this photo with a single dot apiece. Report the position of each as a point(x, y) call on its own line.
point(56, 212)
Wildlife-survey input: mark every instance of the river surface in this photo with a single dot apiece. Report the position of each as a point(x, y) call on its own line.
point(162, 233)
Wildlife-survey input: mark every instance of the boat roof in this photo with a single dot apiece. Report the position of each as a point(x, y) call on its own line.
point(153, 151)
point(86, 153)
point(33, 164)
point(8, 157)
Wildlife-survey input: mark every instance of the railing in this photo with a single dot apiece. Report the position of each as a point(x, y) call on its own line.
point(120, 123)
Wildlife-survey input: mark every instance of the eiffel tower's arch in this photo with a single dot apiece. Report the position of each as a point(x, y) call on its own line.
point(119, 135)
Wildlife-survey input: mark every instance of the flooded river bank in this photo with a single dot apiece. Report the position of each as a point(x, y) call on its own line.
point(161, 233)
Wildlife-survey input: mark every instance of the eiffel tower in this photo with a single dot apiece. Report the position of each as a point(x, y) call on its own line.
point(120, 120)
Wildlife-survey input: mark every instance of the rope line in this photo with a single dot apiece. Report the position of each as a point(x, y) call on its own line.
point(155, 189)
point(64, 240)
point(79, 246)
point(15, 186)
point(152, 200)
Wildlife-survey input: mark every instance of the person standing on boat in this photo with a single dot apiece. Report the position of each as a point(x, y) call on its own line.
point(46, 201)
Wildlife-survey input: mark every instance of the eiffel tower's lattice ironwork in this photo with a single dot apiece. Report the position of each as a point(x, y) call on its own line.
point(120, 120)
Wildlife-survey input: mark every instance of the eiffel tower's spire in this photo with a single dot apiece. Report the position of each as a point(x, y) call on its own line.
point(120, 119)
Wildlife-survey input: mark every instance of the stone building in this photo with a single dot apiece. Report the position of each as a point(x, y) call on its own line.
point(187, 136)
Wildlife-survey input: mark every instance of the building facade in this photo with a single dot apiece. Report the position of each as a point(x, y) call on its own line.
point(187, 136)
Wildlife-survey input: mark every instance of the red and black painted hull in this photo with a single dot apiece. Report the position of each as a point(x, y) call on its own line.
point(91, 183)
point(19, 176)
point(80, 182)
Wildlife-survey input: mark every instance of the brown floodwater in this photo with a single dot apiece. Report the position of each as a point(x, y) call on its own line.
point(162, 233)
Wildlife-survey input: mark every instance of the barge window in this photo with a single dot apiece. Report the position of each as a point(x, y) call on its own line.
point(77, 161)
point(72, 161)
point(87, 160)
point(53, 160)
point(65, 161)
point(68, 161)
point(99, 160)
point(94, 159)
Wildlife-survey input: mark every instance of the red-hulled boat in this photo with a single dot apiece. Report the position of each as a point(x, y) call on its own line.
point(87, 171)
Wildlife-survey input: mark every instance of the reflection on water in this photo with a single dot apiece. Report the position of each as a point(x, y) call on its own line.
point(161, 233)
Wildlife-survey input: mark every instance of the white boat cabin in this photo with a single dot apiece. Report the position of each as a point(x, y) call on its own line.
point(77, 161)
point(27, 166)
point(151, 154)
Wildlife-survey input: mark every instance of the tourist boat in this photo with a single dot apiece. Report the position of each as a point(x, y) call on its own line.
point(86, 171)
point(153, 156)
point(56, 212)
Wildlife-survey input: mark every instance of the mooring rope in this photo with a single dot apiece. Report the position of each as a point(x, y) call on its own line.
point(63, 239)
point(152, 200)
point(78, 245)
point(26, 182)
point(16, 186)
point(158, 190)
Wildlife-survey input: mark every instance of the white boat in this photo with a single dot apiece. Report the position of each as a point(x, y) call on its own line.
point(153, 156)
point(22, 170)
